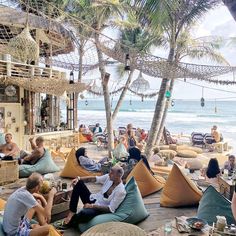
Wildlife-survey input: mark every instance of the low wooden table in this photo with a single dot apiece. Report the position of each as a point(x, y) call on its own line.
point(61, 202)
point(226, 187)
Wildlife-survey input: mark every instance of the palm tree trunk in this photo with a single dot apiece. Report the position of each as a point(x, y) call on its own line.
point(122, 95)
point(105, 79)
point(160, 131)
point(81, 54)
point(159, 108)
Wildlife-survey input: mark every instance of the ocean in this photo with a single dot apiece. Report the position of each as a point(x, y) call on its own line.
point(186, 116)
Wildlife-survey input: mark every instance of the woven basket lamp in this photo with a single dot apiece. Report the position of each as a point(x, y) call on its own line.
point(23, 46)
point(115, 228)
point(140, 84)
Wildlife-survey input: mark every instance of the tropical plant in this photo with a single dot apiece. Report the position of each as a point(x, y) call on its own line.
point(172, 16)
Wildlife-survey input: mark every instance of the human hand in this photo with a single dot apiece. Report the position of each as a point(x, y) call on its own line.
point(48, 217)
point(88, 205)
point(52, 192)
point(31, 139)
point(75, 181)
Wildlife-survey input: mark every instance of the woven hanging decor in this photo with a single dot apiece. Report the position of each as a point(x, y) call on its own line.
point(140, 84)
point(23, 47)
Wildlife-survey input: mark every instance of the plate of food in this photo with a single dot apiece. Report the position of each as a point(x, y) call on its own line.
point(196, 223)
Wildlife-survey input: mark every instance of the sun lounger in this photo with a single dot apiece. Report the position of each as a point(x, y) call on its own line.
point(197, 139)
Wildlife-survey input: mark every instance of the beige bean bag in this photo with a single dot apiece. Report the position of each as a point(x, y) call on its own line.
point(170, 154)
point(186, 153)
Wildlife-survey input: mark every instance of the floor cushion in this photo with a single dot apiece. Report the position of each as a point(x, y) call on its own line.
point(170, 154)
point(212, 204)
point(115, 229)
point(72, 168)
point(44, 166)
point(186, 153)
point(193, 164)
point(82, 138)
point(131, 210)
point(173, 147)
point(195, 149)
point(147, 183)
point(179, 190)
point(1, 228)
point(164, 147)
point(2, 204)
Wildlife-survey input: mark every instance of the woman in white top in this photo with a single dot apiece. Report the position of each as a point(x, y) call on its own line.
point(106, 201)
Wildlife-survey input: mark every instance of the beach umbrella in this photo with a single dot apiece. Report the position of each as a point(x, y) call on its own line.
point(140, 84)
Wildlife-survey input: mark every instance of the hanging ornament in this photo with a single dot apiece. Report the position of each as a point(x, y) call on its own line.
point(72, 79)
point(184, 79)
point(23, 46)
point(127, 62)
point(130, 102)
point(172, 103)
point(86, 102)
point(140, 84)
point(215, 107)
point(202, 99)
point(168, 94)
point(81, 96)
point(142, 98)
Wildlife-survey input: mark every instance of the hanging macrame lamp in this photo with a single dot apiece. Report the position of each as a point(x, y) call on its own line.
point(23, 47)
point(95, 88)
point(140, 84)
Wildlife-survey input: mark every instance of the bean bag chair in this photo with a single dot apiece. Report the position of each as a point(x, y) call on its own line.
point(195, 149)
point(82, 138)
point(193, 164)
point(173, 147)
point(2, 139)
point(44, 166)
point(1, 227)
point(2, 204)
point(170, 154)
point(212, 204)
point(164, 147)
point(179, 190)
point(161, 170)
point(53, 231)
point(187, 153)
point(72, 168)
point(131, 210)
point(147, 183)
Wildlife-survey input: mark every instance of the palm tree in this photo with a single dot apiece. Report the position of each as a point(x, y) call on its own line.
point(140, 40)
point(172, 16)
point(195, 49)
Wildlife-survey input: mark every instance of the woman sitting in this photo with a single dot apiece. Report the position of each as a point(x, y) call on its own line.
point(135, 156)
point(156, 158)
point(86, 162)
point(212, 173)
point(120, 149)
point(84, 134)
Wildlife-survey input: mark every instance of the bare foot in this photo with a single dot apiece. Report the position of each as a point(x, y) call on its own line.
point(68, 218)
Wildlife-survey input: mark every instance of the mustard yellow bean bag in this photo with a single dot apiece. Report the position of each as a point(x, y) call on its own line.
point(82, 138)
point(186, 153)
point(179, 190)
point(2, 204)
point(161, 170)
point(147, 183)
point(72, 168)
point(53, 231)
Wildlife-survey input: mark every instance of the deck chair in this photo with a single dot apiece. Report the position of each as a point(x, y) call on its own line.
point(197, 139)
point(122, 130)
point(102, 140)
point(167, 137)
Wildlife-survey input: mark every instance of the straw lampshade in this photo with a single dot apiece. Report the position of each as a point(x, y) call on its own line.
point(23, 46)
point(140, 84)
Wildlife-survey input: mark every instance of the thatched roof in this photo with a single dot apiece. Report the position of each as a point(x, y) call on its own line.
point(231, 4)
point(13, 21)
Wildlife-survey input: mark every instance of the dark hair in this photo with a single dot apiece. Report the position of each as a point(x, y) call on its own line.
point(33, 181)
point(80, 152)
point(134, 153)
point(213, 168)
point(231, 156)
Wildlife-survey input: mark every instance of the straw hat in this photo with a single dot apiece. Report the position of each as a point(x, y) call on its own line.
point(115, 228)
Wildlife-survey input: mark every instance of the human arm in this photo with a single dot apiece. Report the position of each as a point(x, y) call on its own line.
point(32, 143)
point(41, 198)
point(34, 155)
point(85, 179)
point(104, 209)
point(14, 150)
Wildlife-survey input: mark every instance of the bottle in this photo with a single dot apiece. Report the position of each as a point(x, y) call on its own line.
point(226, 229)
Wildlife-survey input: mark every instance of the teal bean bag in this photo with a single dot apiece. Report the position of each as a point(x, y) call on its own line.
point(131, 210)
point(213, 204)
point(2, 139)
point(44, 166)
point(1, 228)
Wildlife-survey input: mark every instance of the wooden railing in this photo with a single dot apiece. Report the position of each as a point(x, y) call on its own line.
point(9, 68)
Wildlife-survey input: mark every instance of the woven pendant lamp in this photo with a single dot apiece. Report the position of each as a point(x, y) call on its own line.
point(23, 47)
point(140, 84)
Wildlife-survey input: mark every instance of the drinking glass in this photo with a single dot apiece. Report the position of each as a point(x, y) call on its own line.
point(168, 227)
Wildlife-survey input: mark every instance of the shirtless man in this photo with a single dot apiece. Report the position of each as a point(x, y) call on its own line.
point(37, 153)
point(215, 134)
point(9, 148)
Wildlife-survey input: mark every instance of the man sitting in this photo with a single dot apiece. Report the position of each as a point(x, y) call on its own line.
point(215, 134)
point(230, 164)
point(23, 204)
point(9, 150)
point(106, 201)
point(37, 153)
